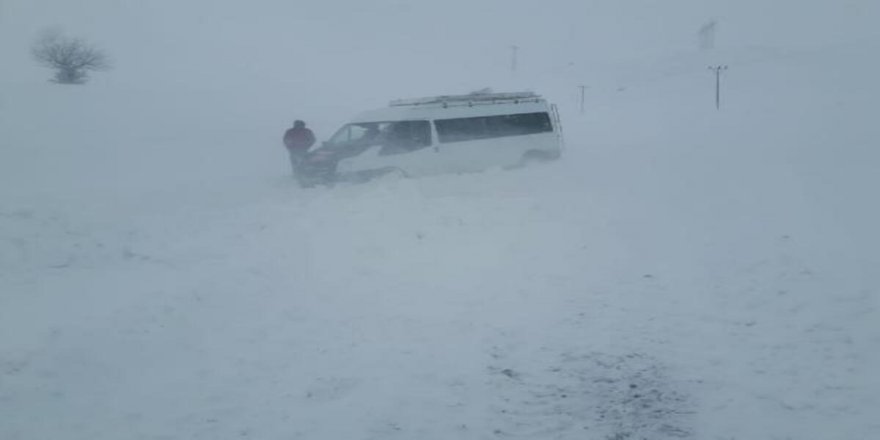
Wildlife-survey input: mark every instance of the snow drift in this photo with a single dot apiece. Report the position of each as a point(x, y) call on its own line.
point(681, 273)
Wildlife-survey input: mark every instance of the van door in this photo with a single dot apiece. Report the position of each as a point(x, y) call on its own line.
point(404, 145)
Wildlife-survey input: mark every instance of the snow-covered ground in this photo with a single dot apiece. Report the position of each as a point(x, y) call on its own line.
point(680, 273)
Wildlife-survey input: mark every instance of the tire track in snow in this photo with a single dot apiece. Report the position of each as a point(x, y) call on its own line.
point(594, 394)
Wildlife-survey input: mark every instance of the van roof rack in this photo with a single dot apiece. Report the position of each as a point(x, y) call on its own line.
point(469, 99)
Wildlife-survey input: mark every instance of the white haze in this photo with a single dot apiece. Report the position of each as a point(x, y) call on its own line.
point(682, 272)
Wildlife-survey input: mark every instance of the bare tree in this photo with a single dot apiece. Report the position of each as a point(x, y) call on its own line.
point(707, 35)
point(72, 58)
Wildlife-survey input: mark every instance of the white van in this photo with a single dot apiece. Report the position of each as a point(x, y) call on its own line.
point(443, 134)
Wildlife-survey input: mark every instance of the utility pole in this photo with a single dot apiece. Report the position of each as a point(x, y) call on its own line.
point(513, 58)
point(718, 69)
point(583, 96)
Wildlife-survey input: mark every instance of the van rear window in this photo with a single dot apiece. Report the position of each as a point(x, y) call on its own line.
point(488, 127)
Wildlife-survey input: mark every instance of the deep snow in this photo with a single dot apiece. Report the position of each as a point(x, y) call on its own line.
point(680, 273)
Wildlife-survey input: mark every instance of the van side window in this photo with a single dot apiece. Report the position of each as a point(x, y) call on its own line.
point(487, 127)
point(405, 136)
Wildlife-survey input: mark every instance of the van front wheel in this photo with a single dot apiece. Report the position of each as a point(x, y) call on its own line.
point(392, 173)
point(396, 173)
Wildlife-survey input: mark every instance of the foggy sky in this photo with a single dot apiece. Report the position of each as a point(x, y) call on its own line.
point(341, 41)
point(331, 58)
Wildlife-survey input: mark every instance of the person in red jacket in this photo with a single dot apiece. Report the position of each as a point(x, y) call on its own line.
point(298, 140)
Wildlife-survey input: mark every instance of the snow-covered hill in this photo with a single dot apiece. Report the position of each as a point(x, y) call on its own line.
point(681, 273)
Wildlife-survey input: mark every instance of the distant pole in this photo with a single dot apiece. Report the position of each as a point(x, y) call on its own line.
point(583, 97)
point(718, 70)
point(513, 57)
